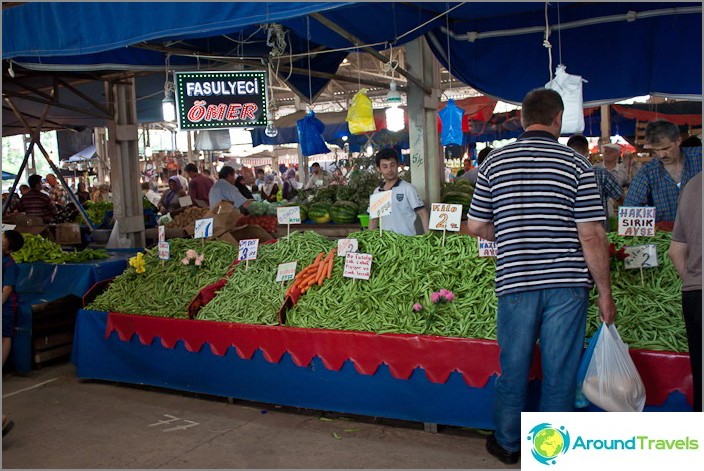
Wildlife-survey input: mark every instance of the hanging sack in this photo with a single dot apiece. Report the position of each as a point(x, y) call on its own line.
point(451, 119)
point(612, 381)
point(581, 401)
point(309, 130)
point(360, 117)
point(570, 89)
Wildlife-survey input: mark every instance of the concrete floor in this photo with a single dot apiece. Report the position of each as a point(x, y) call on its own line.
point(63, 422)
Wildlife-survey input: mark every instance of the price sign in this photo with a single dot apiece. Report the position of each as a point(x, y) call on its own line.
point(185, 201)
point(248, 249)
point(8, 227)
point(446, 217)
point(162, 233)
point(163, 249)
point(487, 248)
point(289, 215)
point(204, 228)
point(286, 271)
point(358, 265)
point(636, 221)
point(380, 204)
point(345, 246)
point(641, 256)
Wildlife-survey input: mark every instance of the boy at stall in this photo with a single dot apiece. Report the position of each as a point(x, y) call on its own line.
point(12, 241)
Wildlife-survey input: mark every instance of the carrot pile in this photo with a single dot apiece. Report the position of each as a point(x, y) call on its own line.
point(315, 273)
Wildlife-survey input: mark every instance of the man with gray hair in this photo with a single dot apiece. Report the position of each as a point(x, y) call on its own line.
point(659, 182)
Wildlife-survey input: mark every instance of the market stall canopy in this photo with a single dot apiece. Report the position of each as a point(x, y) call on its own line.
point(497, 48)
point(8, 175)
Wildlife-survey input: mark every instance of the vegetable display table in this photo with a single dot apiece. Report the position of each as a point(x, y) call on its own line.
point(40, 283)
point(409, 377)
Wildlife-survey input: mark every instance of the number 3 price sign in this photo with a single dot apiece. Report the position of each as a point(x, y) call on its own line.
point(248, 251)
point(445, 217)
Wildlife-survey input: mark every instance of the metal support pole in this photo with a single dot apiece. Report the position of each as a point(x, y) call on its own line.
point(605, 124)
point(124, 154)
point(426, 152)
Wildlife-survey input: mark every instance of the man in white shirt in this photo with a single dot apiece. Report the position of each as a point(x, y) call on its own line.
point(405, 200)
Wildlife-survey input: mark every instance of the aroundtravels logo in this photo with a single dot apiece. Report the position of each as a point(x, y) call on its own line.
point(548, 442)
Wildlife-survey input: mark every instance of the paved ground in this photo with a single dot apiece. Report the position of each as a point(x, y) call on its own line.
point(63, 422)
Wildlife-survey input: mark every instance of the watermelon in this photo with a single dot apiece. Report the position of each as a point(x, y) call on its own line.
point(344, 212)
point(459, 197)
point(257, 208)
point(319, 213)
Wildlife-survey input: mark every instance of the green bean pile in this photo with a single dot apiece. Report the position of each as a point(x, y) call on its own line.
point(252, 295)
point(650, 316)
point(166, 290)
point(405, 270)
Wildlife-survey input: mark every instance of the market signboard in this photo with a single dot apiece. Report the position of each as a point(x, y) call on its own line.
point(220, 100)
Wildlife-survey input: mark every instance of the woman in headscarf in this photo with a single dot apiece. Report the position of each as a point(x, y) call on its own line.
point(169, 200)
point(290, 185)
point(239, 184)
point(269, 189)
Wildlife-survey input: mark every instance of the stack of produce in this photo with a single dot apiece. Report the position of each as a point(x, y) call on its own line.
point(38, 249)
point(268, 223)
point(251, 295)
point(96, 212)
point(315, 273)
point(166, 288)
point(458, 192)
point(187, 217)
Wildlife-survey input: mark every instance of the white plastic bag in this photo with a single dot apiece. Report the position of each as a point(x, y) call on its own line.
point(570, 89)
point(612, 381)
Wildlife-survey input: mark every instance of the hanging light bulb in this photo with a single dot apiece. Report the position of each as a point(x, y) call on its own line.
point(394, 113)
point(168, 105)
point(270, 129)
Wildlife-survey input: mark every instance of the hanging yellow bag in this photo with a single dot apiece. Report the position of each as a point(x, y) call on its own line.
point(360, 117)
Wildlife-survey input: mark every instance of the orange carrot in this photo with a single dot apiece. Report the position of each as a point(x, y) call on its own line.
point(329, 273)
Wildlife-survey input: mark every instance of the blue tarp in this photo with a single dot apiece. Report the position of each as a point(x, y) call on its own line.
point(495, 47)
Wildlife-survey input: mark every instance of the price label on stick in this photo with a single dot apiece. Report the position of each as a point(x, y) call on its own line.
point(641, 256)
point(8, 227)
point(163, 249)
point(345, 246)
point(185, 201)
point(358, 265)
point(248, 249)
point(636, 221)
point(487, 248)
point(445, 217)
point(380, 204)
point(162, 233)
point(289, 215)
point(203, 228)
point(286, 271)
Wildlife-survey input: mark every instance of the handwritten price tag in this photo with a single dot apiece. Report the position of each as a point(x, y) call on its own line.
point(286, 271)
point(345, 246)
point(289, 215)
point(636, 221)
point(487, 248)
point(248, 249)
point(358, 265)
point(8, 227)
point(380, 204)
point(445, 217)
point(163, 249)
point(203, 228)
point(641, 256)
point(162, 233)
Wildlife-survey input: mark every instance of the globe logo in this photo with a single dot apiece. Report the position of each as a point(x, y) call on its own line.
point(548, 442)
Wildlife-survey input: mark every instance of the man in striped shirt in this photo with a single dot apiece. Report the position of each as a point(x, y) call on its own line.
point(538, 199)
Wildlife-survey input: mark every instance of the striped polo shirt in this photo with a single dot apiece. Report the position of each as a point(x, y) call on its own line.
point(535, 191)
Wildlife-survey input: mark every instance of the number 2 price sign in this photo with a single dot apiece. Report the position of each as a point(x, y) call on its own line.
point(248, 251)
point(445, 217)
point(380, 205)
point(641, 256)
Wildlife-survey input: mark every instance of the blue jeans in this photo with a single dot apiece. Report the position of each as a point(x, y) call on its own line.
point(558, 318)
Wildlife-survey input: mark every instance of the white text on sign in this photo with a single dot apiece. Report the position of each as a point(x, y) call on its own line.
point(487, 248)
point(286, 271)
point(641, 256)
point(203, 228)
point(289, 215)
point(248, 249)
point(163, 250)
point(358, 265)
point(445, 217)
point(636, 221)
point(380, 204)
point(345, 246)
